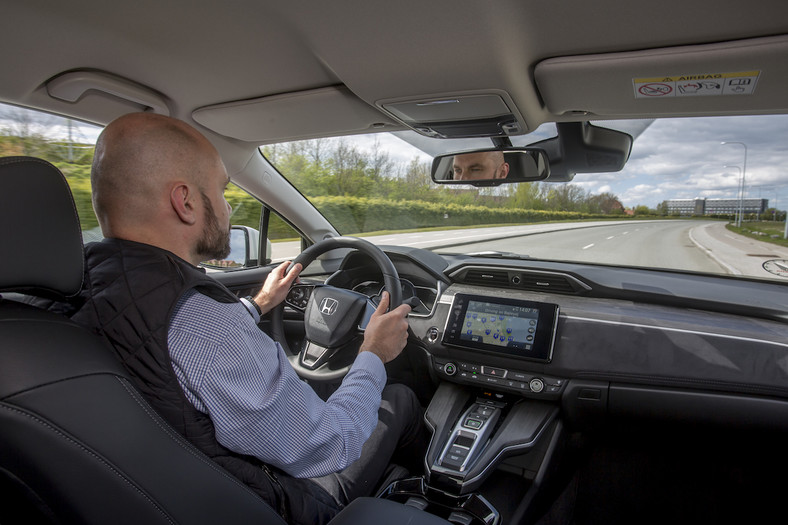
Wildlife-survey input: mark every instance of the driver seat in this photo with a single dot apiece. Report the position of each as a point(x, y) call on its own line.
point(78, 443)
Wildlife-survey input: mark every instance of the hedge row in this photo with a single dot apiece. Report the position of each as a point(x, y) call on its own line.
point(357, 215)
point(349, 215)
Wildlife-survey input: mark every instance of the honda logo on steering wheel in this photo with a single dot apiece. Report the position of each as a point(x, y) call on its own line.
point(328, 306)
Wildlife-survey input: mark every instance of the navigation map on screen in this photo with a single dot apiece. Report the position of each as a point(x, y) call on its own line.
point(500, 325)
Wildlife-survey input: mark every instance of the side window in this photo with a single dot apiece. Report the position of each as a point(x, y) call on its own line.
point(285, 241)
point(66, 143)
point(247, 218)
point(70, 144)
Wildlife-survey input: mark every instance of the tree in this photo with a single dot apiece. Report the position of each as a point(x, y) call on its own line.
point(380, 164)
point(527, 196)
point(565, 197)
point(26, 132)
point(605, 203)
point(348, 167)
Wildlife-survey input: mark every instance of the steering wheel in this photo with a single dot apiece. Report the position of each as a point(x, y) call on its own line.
point(334, 318)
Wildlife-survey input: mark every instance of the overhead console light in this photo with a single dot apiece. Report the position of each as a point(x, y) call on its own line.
point(458, 116)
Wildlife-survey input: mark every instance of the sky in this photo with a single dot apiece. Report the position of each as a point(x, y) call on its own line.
point(680, 158)
point(670, 158)
point(683, 158)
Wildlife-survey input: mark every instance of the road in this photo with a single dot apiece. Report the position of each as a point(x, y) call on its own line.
point(698, 245)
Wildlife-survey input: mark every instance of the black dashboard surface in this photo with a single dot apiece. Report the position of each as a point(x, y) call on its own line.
point(617, 326)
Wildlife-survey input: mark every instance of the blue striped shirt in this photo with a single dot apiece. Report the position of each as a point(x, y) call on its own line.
point(237, 375)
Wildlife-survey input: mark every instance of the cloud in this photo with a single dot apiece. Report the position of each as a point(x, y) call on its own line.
point(684, 158)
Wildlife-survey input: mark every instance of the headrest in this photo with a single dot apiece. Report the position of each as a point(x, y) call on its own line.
point(40, 237)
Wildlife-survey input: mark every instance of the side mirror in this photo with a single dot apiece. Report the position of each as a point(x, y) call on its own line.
point(491, 167)
point(244, 246)
point(244, 249)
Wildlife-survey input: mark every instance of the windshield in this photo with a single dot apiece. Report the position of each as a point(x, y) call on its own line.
point(702, 195)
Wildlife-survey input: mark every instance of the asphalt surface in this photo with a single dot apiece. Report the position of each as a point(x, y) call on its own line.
point(731, 253)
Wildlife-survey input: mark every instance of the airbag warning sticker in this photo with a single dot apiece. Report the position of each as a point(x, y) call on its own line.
point(702, 85)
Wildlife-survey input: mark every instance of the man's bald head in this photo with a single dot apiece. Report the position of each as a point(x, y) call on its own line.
point(138, 153)
point(151, 175)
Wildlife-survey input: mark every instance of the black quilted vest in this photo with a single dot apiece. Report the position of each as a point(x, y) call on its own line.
point(130, 294)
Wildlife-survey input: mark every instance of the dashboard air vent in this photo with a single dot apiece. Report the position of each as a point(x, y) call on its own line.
point(520, 279)
point(486, 277)
point(544, 282)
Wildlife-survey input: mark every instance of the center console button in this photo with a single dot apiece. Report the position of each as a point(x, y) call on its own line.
point(452, 461)
point(460, 452)
point(473, 424)
point(492, 371)
point(470, 367)
point(536, 384)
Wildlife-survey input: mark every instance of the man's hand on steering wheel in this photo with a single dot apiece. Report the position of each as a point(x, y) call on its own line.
point(387, 332)
point(276, 286)
point(334, 317)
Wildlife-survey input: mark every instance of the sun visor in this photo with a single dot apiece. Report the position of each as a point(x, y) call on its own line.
point(737, 77)
point(457, 116)
point(292, 116)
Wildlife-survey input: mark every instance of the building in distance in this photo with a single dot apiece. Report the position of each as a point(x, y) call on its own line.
point(689, 207)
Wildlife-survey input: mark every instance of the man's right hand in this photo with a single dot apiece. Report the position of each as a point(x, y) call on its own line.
point(387, 332)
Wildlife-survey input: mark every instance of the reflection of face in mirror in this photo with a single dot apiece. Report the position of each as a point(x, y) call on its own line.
point(480, 166)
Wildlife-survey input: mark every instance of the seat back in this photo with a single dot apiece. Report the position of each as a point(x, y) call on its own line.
point(78, 444)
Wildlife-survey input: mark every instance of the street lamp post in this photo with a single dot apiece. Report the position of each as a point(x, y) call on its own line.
point(740, 192)
point(743, 174)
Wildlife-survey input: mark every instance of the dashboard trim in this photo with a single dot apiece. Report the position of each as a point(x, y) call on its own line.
point(678, 330)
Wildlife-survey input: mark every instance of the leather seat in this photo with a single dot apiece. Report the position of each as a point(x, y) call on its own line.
point(78, 444)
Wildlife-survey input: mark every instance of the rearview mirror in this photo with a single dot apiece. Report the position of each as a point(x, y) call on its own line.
point(491, 167)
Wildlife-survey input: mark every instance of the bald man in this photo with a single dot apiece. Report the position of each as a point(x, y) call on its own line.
point(195, 351)
point(480, 166)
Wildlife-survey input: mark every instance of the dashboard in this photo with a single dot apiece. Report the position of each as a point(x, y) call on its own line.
point(601, 338)
point(425, 295)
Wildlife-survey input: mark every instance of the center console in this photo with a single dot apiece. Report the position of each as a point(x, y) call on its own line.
point(491, 403)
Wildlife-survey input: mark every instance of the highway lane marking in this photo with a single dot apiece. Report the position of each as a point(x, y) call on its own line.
point(587, 247)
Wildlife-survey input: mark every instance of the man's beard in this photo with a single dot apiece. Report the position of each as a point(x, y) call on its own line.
point(215, 242)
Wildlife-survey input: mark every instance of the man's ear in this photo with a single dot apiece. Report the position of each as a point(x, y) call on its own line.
point(182, 201)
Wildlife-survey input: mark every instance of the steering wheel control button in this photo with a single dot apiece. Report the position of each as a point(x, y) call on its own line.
point(298, 297)
point(450, 369)
point(536, 384)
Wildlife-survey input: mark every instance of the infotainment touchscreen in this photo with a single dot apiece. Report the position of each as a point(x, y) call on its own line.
point(523, 329)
